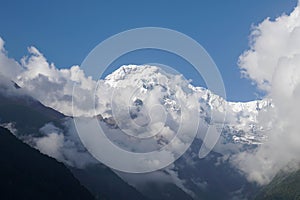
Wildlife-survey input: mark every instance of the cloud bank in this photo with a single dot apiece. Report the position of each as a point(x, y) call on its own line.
point(42, 80)
point(139, 100)
point(273, 64)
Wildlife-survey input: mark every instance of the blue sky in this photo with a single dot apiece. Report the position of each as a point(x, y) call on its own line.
point(66, 31)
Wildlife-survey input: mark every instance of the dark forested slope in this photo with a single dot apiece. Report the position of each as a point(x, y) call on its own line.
point(27, 174)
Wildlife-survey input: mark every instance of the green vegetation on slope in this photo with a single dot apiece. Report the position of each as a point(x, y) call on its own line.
point(283, 187)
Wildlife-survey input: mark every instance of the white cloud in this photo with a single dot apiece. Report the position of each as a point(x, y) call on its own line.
point(273, 63)
point(65, 147)
point(42, 80)
point(8, 67)
point(52, 86)
point(270, 42)
point(51, 145)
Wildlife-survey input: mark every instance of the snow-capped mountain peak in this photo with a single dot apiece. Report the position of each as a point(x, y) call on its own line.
point(150, 85)
point(132, 74)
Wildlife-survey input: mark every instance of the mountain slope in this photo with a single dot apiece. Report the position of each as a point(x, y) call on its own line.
point(27, 174)
point(202, 178)
point(150, 85)
point(283, 187)
point(29, 115)
point(103, 182)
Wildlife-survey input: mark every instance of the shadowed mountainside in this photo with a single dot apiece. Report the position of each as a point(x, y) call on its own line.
point(27, 174)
